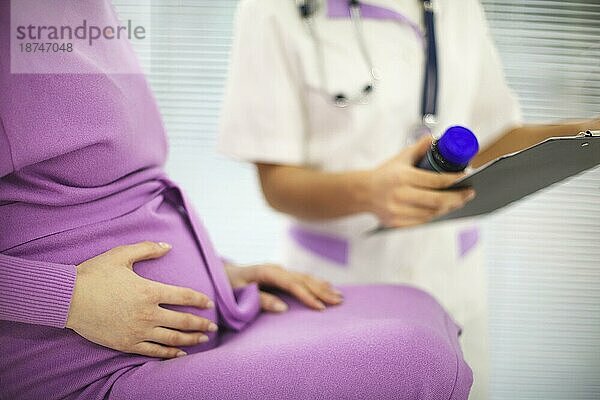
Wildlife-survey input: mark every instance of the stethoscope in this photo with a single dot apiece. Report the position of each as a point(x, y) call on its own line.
point(307, 10)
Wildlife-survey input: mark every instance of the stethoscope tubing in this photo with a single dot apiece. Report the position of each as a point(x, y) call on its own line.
point(430, 80)
point(342, 100)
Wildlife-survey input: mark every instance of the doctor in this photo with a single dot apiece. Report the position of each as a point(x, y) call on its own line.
point(335, 101)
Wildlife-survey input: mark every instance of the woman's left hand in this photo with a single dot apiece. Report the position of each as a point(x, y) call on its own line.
point(313, 292)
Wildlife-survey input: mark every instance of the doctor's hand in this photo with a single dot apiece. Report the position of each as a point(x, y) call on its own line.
point(116, 308)
point(312, 292)
point(402, 195)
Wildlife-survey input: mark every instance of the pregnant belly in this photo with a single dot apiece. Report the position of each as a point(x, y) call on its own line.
point(158, 220)
point(43, 362)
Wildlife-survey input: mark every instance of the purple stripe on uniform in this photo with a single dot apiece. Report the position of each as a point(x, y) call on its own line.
point(327, 246)
point(341, 9)
point(467, 239)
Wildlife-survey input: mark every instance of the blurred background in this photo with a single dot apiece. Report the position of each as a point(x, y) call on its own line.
point(543, 255)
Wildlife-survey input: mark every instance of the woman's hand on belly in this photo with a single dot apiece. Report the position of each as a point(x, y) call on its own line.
point(116, 308)
point(311, 291)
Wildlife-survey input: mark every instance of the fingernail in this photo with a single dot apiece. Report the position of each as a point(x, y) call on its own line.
point(212, 327)
point(164, 245)
point(336, 291)
point(337, 298)
point(210, 304)
point(280, 307)
point(181, 354)
point(321, 306)
point(203, 339)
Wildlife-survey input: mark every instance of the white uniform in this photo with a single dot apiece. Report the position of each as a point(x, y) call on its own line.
point(276, 111)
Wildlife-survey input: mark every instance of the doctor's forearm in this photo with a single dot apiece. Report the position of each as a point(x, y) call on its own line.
point(527, 135)
point(314, 195)
point(396, 192)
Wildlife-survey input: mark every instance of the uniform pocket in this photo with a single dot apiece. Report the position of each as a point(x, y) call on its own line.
point(327, 246)
point(467, 240)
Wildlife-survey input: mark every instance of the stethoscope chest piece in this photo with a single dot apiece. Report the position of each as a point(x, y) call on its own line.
point(342, 101)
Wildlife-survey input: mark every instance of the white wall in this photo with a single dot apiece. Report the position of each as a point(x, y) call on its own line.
point(544, 254)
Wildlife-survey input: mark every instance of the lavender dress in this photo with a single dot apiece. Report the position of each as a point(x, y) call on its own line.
point(81, 171)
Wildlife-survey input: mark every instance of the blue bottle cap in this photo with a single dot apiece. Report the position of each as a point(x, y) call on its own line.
point(458, 145)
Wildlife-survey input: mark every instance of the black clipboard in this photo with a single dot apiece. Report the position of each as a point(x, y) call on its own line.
point(514, 176)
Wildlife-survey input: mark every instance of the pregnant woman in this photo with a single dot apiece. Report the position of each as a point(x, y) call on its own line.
point(110, 287)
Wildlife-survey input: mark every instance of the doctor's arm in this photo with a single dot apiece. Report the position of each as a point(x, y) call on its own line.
point(397, 192)
point(521, 137)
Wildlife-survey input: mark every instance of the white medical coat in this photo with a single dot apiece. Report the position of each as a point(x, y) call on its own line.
point(276, 110)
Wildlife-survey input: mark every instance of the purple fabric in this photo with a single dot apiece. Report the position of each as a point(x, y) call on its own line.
point(385, 342)
point(340, 9)
point(467, 239)
point(86, 149)
point(44, 300)
point(236, 313)
point(329, 247)
point(82, 172)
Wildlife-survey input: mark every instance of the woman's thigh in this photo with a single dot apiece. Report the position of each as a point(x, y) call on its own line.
point(383, 342)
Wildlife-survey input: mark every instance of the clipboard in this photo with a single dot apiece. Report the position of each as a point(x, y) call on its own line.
point(514, 176)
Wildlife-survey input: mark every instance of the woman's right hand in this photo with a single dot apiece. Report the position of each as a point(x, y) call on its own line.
point(116, 308)
point(403, 195)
